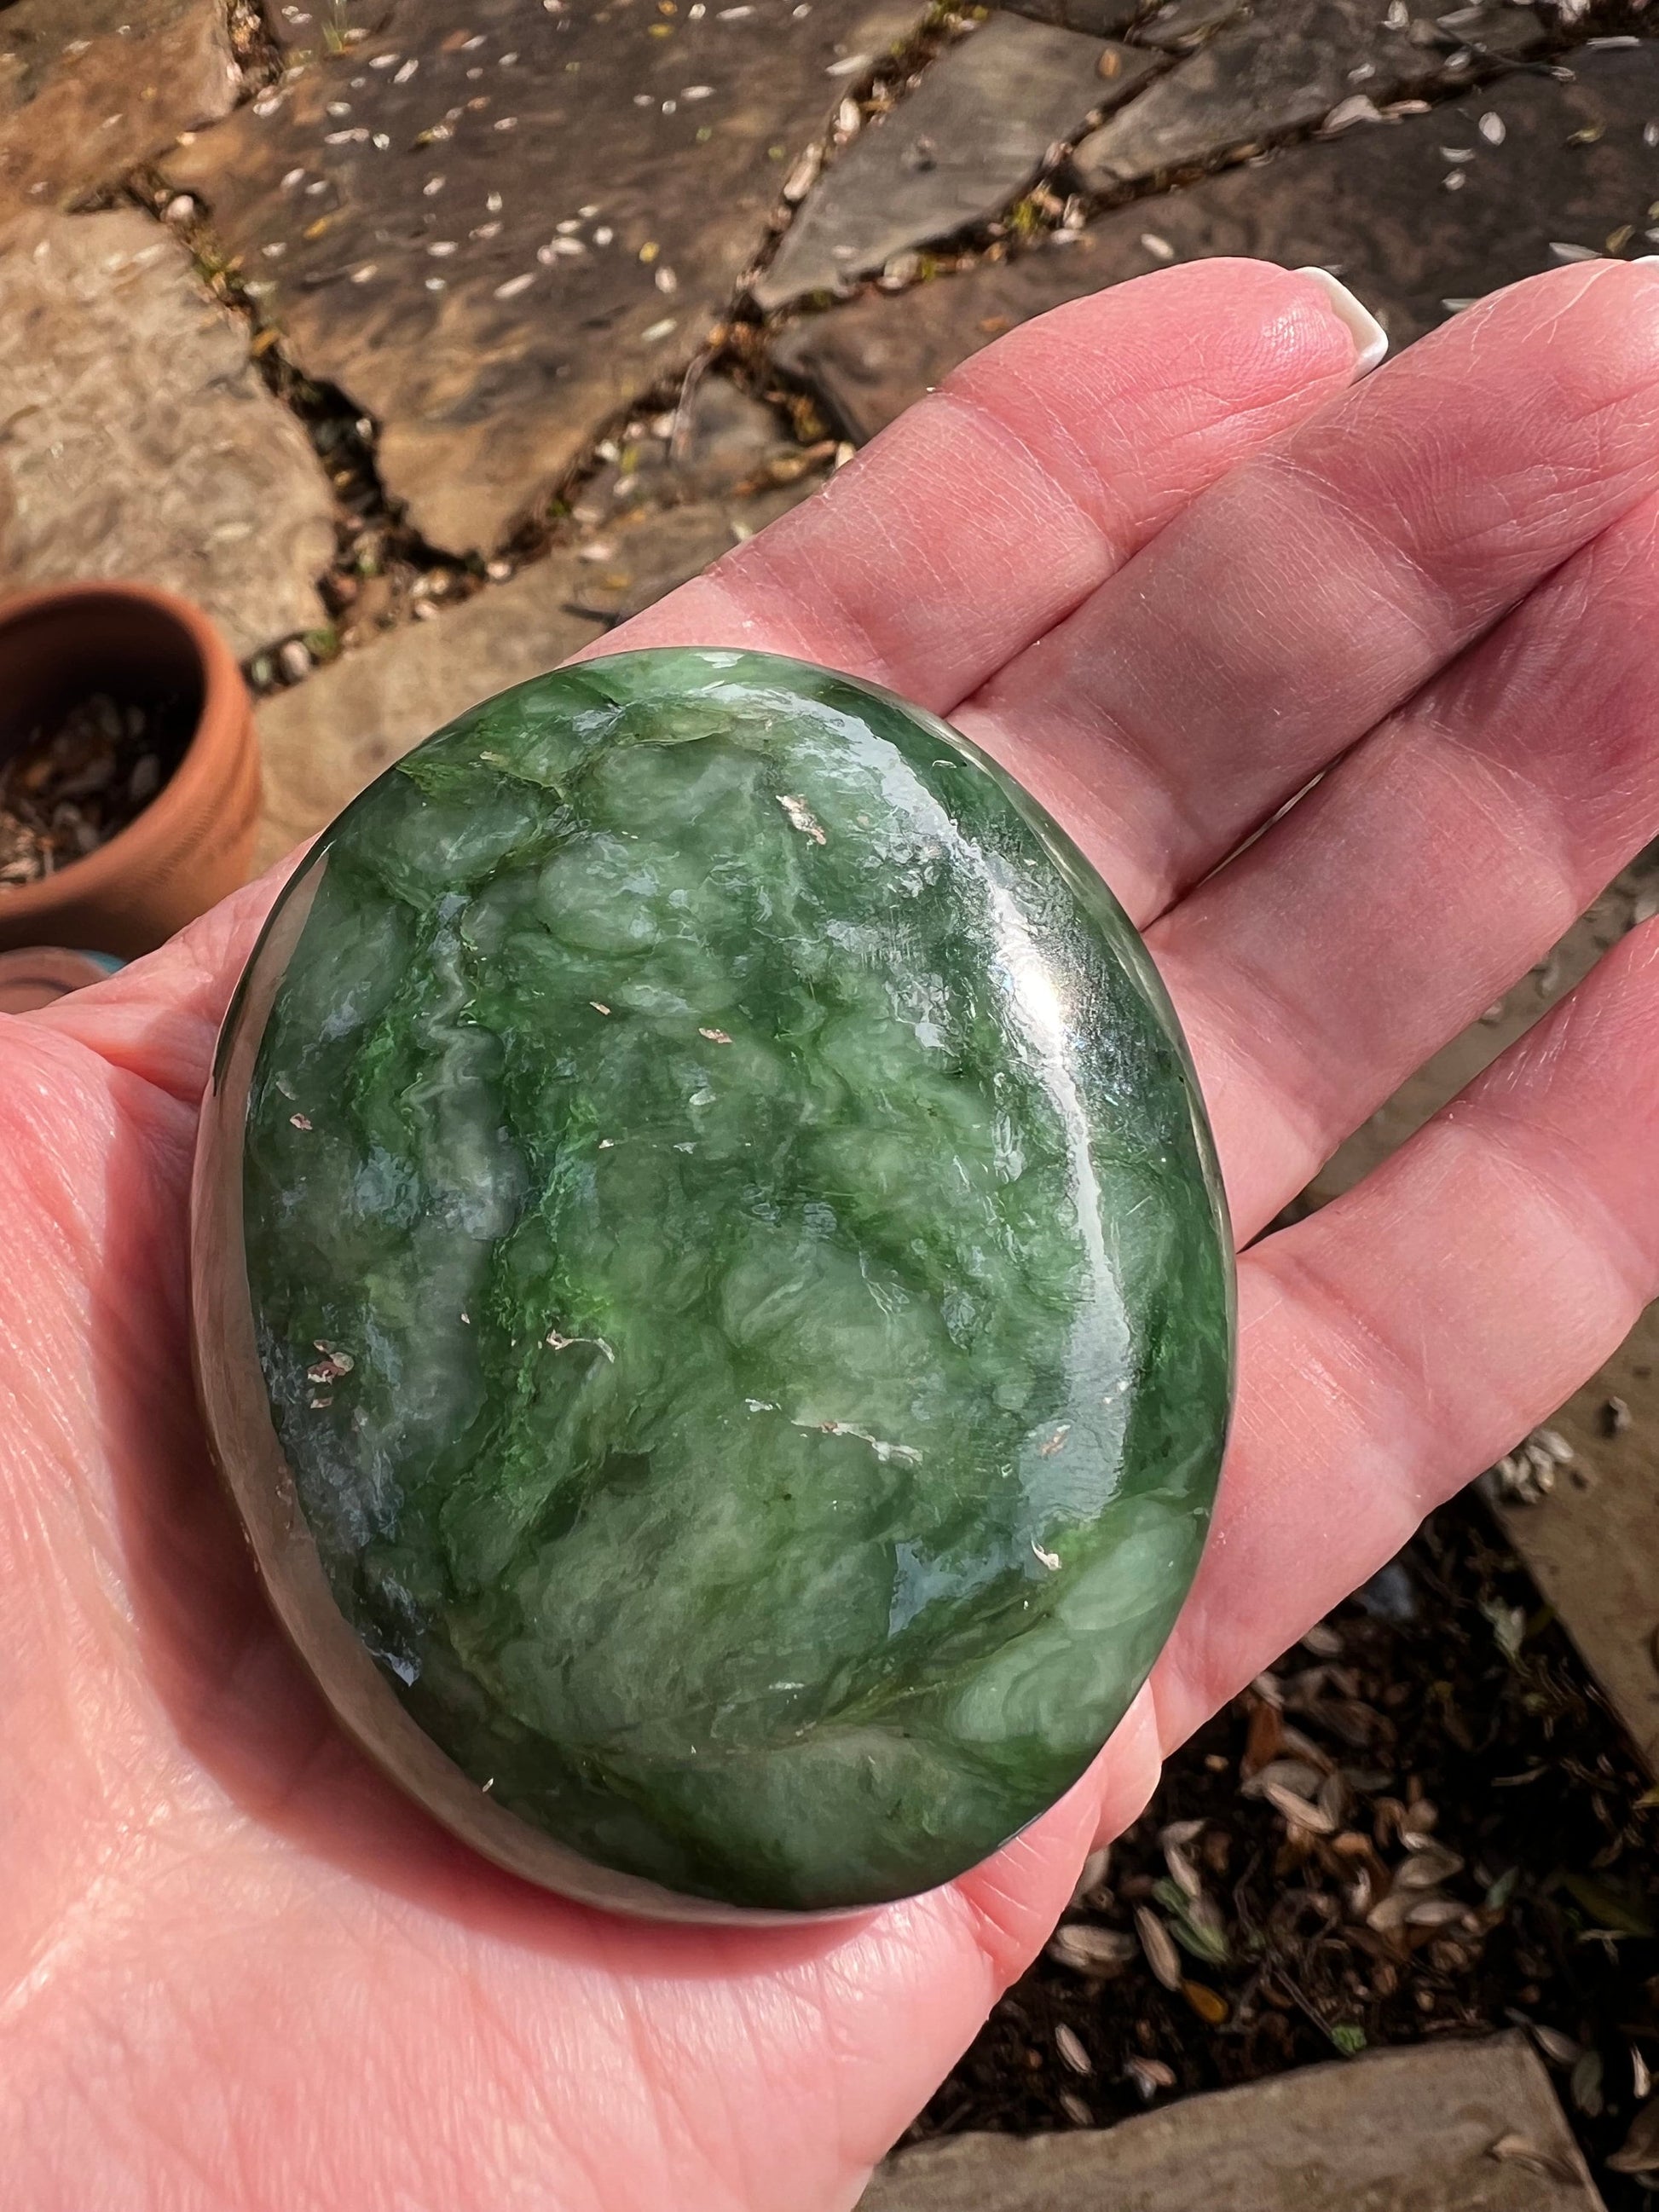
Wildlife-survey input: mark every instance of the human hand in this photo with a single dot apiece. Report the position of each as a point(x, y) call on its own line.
point(1155, 555)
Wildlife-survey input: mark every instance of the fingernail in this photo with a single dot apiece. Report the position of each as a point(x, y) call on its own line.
point(1371, 339)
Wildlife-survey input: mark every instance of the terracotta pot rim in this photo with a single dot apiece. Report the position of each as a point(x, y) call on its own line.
point(89, 879)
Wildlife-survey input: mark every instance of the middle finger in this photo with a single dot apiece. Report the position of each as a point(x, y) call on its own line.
point(1323, 581)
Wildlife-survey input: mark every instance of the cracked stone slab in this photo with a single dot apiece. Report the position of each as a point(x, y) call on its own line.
point(493, 239)
point(1442, 2127)
point(326, 738)
point(964, 146)
point(141, 441)
point(323, 741)
point(88, 88)
point(1279, 70)
point(1102, 19)
point(1372, 205)
point(1181, 22)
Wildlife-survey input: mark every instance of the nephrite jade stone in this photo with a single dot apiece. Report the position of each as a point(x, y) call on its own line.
point(739, 1282)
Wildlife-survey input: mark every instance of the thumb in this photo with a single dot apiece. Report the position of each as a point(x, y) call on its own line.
point(159, 1018)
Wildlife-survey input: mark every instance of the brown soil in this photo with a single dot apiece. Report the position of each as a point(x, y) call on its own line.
point(69, 787)
point(1457, 1840)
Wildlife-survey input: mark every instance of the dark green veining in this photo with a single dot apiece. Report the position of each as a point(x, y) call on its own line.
point(739, 1274)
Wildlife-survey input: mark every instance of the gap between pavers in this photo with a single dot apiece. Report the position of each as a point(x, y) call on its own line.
point(1570, 166)
point(88, 88)
point(955, 152)
point(430, 220)
point(1280, 69)
point(323, 741)
point(1442, 2127)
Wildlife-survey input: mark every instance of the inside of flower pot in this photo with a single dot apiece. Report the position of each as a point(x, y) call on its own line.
point(100, 694)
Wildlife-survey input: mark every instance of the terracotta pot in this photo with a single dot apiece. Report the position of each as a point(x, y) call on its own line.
point(194, 841)
point(33, 979)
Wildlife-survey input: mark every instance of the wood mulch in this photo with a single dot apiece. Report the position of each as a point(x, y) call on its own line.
point(1423, 1821)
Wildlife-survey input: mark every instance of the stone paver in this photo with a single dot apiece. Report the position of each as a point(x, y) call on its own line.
point(305, 28)
point(90, 87)
point(492, 242)
point(1278, 71)
point(1447, 2127)
point(964, 145)
point(1372, 205)
point(1102, 19)
point(726, 438)
point(140, 439)
point(324, 740)
point(870, 360)
point(655, 551)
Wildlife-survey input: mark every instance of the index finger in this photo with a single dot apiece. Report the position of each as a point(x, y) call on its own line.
point(996, 505)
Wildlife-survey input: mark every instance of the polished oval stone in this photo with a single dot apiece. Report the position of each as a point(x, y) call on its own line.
point(738, 1284)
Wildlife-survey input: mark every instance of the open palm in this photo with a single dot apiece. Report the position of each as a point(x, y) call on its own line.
point(1157, 554)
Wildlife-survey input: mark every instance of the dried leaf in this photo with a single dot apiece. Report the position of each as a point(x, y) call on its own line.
point(1639, 2153)
point(1359, 107)
point(1182, 1872)
point(1502, 1889)
point(1609, 1908)
point(1434, 1913)
point(1421, 1817)
point(1149, 2076)
point(1508, 1624)
point(1299, 1745)
point(1284, 1774)
point(1389, 1914)
point(1521, 2151)
point(1199, 1927)
point(1207, 2003)
point(1181, 1833)
point(1264, 1740)
point(1314, 1819)
point(1560, 2050)
point(1158, 1944)
point(1428, 1868)
point(1096, 1867)
point(1586, 2084)
point(1088, 1950)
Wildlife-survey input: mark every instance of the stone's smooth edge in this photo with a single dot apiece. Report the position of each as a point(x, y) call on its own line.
point(1091, 888)
point(249, 1454)
point(249, 1458)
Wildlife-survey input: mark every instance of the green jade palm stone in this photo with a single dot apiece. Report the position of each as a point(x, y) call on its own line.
point(713, 1290)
